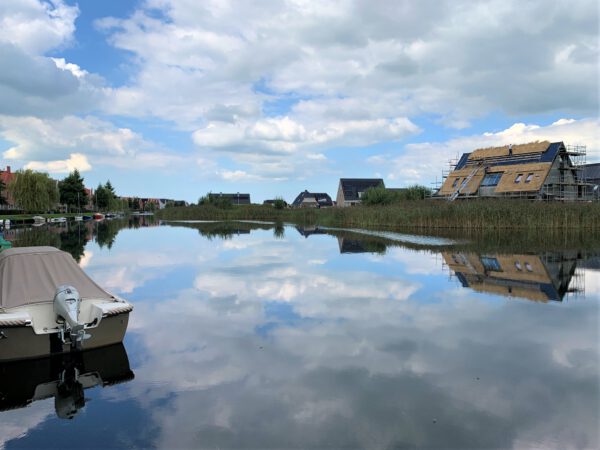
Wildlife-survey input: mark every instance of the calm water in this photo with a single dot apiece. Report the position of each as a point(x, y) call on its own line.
point(276, 337)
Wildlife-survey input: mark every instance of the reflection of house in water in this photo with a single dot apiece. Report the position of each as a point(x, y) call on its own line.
point(309, 231)
point(354, 245)
point(64, 377)
point(540, 278)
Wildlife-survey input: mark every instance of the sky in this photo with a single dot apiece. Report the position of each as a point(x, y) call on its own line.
point(177, 98)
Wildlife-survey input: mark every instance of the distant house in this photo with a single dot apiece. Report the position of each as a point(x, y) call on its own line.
point(7, 176)
point(351, 190)
point(312, 200)
point(236, 199)
point(537, 170)
point(591, 175)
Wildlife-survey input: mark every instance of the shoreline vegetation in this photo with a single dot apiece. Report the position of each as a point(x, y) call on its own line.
point(418, 215)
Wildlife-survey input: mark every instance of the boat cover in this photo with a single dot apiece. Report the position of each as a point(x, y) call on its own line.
point(31, 275)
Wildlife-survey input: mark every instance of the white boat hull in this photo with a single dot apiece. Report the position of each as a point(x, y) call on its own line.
point(21, 341)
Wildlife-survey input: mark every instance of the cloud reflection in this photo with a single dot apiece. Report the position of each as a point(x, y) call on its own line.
point(257, 342)
point(347, 364)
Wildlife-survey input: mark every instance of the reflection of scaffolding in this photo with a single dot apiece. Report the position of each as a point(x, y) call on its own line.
point(544, 277)
point(576, 287)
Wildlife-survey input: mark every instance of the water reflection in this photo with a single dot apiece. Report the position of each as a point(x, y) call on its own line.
point(72, 237)
point(541, 277)
point(239, 339)
point(62, 377)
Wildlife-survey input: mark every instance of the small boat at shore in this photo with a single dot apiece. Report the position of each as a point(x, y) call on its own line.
point(38, 220)
point(57, 220)
point(48, 305)
point(78, 218)
point(98, 216)
point(4, 244)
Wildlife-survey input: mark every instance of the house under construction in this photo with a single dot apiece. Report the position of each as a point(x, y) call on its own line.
point(538, 170)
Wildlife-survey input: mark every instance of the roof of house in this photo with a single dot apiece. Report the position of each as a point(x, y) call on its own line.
point(591, 171)
point(352, 186)
point(236, 199)
point(321, 198)
point(236, 195)
point(534, 152)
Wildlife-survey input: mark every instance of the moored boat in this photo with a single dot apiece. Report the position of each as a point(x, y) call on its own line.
point(4, 244)
point(98, 216)
point(39, 220)
point(48, 305)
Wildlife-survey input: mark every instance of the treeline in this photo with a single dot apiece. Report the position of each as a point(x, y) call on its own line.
point(36, 192)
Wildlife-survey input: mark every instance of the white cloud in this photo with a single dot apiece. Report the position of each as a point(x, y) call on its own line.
point(401, 59)
point(37, 26)
point(62, 64)
point(57, 144)
point(76, 161)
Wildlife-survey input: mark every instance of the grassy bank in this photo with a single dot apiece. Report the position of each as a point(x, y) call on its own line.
point(416, 215)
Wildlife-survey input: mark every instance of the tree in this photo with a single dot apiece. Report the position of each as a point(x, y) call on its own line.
point(216, 200)
point(72, 191)
point(378, 196)
point(279, 203)
point(34, 191)
point(106, 197)
point(110, 189)
point(102, 197)
point(2, 190)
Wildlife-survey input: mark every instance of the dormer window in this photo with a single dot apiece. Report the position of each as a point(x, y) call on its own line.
point(519, 178)
point(529, 178)
point(455, 182)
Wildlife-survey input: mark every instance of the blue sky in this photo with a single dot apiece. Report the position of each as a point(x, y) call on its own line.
point(175, 98)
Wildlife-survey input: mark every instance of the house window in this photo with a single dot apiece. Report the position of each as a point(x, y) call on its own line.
point(529, 178)
point(528, 267)
point(491, 179)
point(490, 263)
point(518, 266)
point(519, 178)
point(455, 182)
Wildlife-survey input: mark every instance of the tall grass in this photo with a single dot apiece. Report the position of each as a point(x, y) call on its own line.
point(416, 215)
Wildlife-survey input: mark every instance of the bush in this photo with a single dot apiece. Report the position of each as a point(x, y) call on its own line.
point(215, 200)
point(378, 196)
point(279, 203)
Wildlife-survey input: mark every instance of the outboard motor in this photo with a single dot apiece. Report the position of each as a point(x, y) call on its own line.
point(67, 303)
point(69, 397)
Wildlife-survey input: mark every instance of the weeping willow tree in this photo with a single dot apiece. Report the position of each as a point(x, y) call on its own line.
point(34, 191)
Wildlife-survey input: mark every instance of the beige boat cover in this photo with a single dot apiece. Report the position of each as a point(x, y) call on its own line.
point(32, 274)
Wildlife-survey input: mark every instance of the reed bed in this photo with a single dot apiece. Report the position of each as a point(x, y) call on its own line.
point(416, 215)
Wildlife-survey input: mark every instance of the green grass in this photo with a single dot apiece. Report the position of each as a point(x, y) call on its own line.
point(416, 215)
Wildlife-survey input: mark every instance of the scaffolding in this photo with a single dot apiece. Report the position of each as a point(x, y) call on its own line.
point(570, 183)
